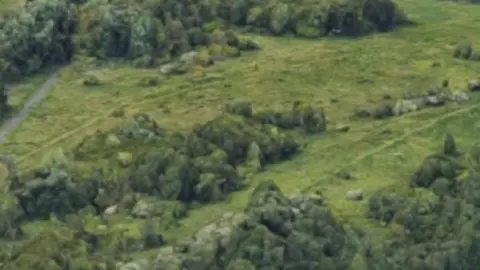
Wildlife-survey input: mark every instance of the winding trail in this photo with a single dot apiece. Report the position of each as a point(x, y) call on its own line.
point(11, 123)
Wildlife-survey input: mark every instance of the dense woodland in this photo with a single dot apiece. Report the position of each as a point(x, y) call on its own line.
point(150, 178)
point(46, 32)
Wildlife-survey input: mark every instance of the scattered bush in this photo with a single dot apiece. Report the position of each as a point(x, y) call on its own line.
point(410, 103)
point(463, 50)
point(304, 116)
point(204, 165)
point(165, 173)
point(148, 82)
point(91, 81)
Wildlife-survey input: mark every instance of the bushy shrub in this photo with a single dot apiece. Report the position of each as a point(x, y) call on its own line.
point(384, 207)
point(436, 167)
point(56, 193)
point(463, 50)
point(235, 135)
point(311, 120)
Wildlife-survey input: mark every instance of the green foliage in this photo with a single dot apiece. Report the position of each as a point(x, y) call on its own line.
point(435, 167)
point(449, 146)
point(318, 18)
point(166, 174)
point(275, 232)
point(309, 119)
point(42, 33)
point(53, 192)
point(176, 170)
point(38, 35)
point(4, 108)
point(48, 250)
point(11, 216)
point(384, 207)
point(433, 229)
point(234, 135)
point(296, 226)
point(439, 229)
point(144, 34)
point(463, 50)
point(119, 32)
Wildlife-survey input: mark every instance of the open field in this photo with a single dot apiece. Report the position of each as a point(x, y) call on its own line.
point(357, 72)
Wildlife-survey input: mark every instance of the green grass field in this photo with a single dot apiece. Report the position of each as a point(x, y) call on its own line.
point(357, 72)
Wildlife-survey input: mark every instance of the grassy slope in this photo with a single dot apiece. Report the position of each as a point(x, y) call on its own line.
point(19, 93)
point(357, 72)
point(7, 5)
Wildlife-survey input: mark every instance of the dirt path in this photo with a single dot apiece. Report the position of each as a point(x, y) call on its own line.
point(10, 124)
point(411, 132)
point(397, 139)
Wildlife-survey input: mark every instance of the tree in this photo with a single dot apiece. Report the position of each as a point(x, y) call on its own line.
point(3, 99)
point(38, 35)
point(449, 146)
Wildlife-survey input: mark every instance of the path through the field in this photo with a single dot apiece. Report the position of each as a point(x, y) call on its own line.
point(10, 124)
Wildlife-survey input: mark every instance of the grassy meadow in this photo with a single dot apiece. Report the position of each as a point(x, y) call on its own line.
point(357, 72)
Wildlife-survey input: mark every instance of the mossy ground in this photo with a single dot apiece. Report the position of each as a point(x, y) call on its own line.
point(357, 72)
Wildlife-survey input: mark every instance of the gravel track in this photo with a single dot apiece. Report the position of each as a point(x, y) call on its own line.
point(10, 124)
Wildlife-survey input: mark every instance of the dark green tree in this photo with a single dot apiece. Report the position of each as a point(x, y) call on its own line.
point(449, 145)
point(38, 35)
point(3, 99)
